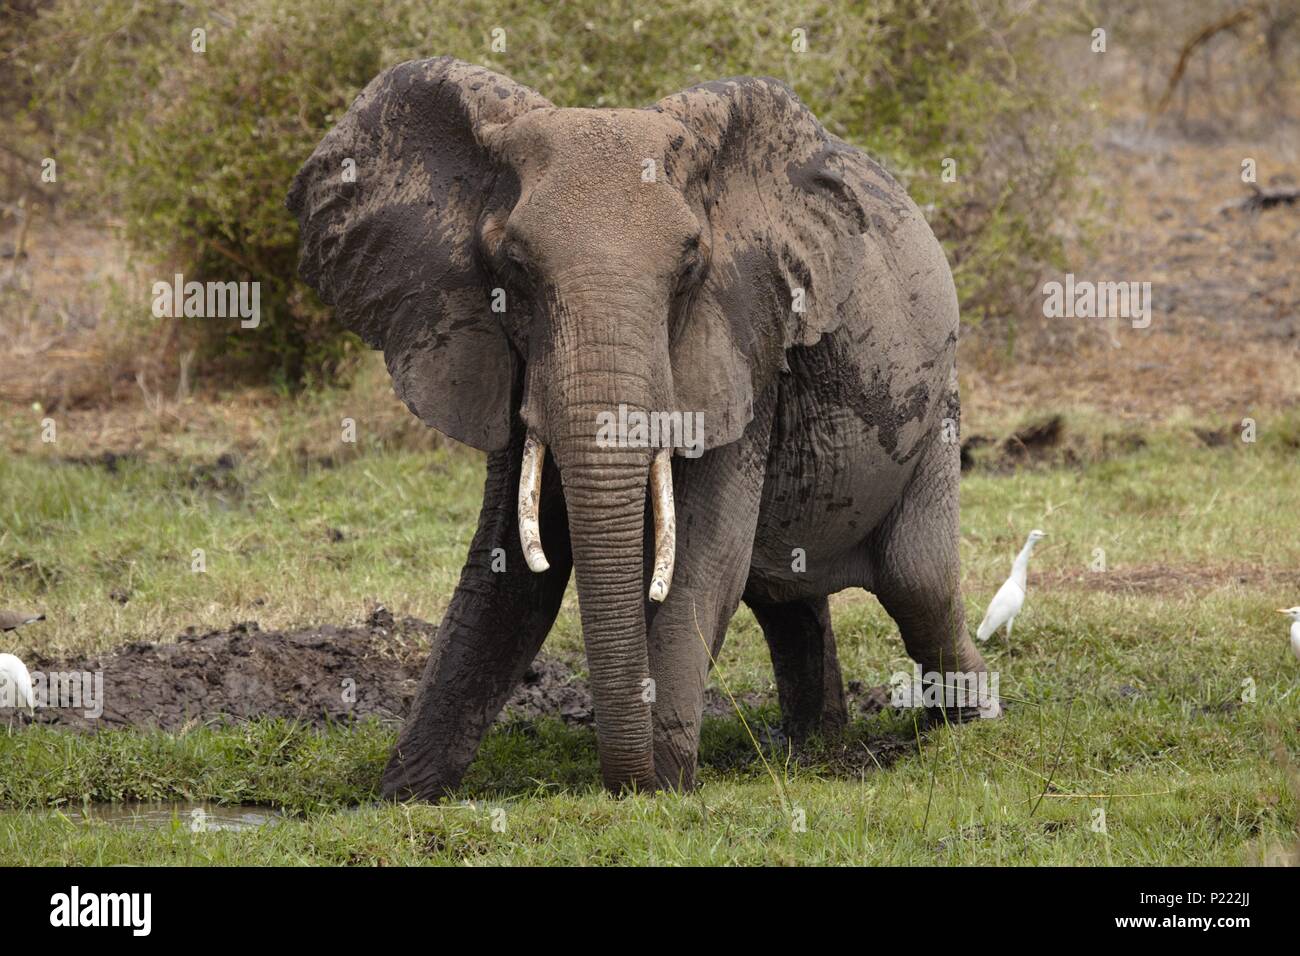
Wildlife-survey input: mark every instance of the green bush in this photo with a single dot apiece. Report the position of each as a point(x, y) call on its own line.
point(195, 151)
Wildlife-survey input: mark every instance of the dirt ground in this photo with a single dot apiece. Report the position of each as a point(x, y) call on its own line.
point(318, 676)
point(1224, 337)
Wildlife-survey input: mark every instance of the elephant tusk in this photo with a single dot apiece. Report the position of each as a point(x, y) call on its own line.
point(661, 492)
point(530, 493)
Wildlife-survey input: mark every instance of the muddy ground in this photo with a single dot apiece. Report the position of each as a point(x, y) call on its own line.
point(319, 676)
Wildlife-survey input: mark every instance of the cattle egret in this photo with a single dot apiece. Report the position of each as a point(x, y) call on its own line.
point(16, 684)
point(12, 620)
point(1294, 614)
point(1006, 604)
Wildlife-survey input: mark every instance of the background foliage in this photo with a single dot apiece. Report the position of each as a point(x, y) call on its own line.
point(195, 151)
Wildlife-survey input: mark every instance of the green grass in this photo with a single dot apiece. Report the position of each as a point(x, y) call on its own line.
point(76, 533)
point(1121, 700)
point(1178, 788)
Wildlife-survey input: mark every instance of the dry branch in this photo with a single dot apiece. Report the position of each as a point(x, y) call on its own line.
point(1260, 199)
point(1202, 36)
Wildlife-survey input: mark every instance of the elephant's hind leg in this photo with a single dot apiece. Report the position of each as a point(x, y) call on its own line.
point(491, 632)
point(916, 569)
point(808, 681)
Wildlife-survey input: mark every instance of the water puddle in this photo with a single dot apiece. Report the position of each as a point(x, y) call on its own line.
point(195, 817)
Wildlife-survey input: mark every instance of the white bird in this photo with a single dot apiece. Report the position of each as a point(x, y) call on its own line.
point(1294, 614)
point(1006, 604)
point(16, 684)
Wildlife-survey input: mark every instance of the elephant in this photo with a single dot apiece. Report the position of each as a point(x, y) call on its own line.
point(528, 269)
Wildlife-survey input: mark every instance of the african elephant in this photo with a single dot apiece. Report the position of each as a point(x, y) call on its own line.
point(527, 269)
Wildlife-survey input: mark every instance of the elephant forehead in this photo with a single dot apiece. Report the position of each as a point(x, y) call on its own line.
point(592, 169)
point(616, 151)
point(598, 136)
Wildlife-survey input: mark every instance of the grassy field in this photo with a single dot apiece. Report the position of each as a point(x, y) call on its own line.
point(1152, 702)
point(1159, 692)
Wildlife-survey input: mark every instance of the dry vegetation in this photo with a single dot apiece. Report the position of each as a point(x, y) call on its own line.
point(76, 335)
point(1225, 334)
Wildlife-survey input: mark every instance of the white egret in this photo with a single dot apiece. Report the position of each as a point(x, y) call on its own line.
point(1294, 614)
point(16, 684)
point(1006, 604)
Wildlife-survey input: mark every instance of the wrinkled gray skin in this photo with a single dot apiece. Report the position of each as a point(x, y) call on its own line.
point(822, 426)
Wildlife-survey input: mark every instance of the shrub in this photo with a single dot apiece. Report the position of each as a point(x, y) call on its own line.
point(195, 150)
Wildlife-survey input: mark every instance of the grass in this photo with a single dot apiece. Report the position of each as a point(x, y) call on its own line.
point(1165, 802)
point(1126, 686)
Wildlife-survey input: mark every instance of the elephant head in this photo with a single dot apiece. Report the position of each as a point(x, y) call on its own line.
point(517, 261)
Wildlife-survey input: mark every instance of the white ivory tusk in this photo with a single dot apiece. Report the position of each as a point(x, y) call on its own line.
point(530, 493)
point(661, 493)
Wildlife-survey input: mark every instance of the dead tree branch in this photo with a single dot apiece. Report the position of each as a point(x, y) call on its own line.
point(1202, 36)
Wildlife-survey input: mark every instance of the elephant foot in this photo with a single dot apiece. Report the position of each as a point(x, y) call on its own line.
point(989, 709)
point(775, 738)
point(410, 777)
point(802, 644)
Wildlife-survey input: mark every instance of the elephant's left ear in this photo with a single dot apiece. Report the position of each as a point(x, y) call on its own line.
point(388, 208)
point(787, 223)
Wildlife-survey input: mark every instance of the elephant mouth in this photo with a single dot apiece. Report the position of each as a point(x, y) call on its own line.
point(661, 496)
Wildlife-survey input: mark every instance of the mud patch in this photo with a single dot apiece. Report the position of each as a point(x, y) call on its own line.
point(217, 478)
point(1036, 442)
point(551, 688)
point(852, 756)
point(1046, 443)
point(1217, 437)
point(1035, 439)
point(323, 676)
point(856, 752)
point(110, 461)
point(318, 676)
point(864, 700)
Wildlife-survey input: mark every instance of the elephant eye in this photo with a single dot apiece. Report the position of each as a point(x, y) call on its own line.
point(513, 261)
point(515, 255)
point(692, 264)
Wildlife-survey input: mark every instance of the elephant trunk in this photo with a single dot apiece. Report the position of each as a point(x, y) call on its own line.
point(601, 363)
point(605, 495)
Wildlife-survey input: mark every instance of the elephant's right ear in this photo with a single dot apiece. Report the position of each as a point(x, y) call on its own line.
point(388, 207)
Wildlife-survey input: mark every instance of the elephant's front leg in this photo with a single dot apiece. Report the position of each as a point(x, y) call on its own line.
point(491, 632)
point(717, 504)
